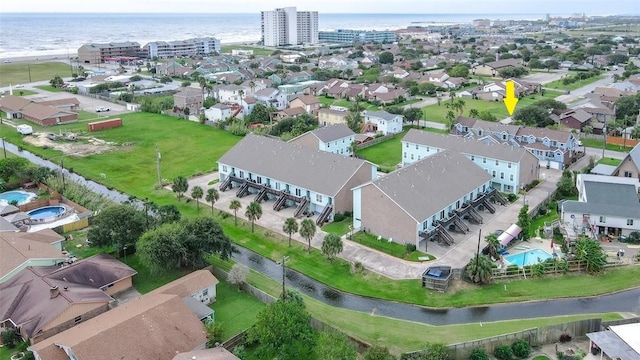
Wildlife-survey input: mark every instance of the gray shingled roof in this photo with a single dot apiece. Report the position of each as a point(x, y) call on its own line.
point(381, 114)
point(332, 132)
point(466, 146)
point(607, 199)
point(433, 183)
point(316, 170)
point(496, 126)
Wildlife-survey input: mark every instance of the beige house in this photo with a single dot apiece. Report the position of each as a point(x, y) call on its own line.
point(19, 250)
point(189, 98)
point(46, 300)
point(332, 116)
point(410, 203)
point(630, 165)
point(493, 68)
point(309, 103)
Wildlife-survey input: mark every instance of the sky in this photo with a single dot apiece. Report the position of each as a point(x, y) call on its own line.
point(554, 7)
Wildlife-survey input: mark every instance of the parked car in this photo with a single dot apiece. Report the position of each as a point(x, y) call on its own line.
point(19, 86)
point(24, 129)
point(102, 109)
point(7, 61)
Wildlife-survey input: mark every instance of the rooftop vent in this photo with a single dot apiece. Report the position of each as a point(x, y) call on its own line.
point(53, 292)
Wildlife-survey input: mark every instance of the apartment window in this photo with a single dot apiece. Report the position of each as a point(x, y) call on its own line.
point(318, 198)
point(629, 222)
point(404, 155)
point(406, 145)
point(497, 163)
point(493, 173)
point(603, 219)
point(484, 160)
point(298, 192)
point(416, 146)
point(259, 179)
point(224, 168)
point(277, 186)
point(509, 165)
point(77, 319)
point(411, 156)
point(502, 175)
point(510, 177)
point(205, 292)
point(628, 174)
point(241, 174)
point(428, 149)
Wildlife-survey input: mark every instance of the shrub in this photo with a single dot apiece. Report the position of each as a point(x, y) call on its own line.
point(338, 217)
point(521, 349)
point(479, 354)
point(512, 197)
point(565, 338)
point(9, 338)
point(410, 247)
point(503, 352)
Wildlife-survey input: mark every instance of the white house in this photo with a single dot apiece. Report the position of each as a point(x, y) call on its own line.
point(336, 139)
point(272, 97)
point(218, 112)
point(607, 205)
point(229, 93)
point(382, 122)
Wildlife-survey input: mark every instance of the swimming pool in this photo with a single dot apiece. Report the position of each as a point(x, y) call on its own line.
point(46, 214)
point(22, 197)
point(529, 257)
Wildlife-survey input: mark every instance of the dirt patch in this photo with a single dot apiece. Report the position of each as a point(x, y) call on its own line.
point(73, 144)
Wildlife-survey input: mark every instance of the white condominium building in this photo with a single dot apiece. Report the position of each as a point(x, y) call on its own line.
point(286, 26)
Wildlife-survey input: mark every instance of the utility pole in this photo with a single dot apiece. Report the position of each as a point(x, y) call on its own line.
point(284, 292)
point(4, 149)
point(64, 186)
point(478, 251)
point(29, 70)
point(158, 167)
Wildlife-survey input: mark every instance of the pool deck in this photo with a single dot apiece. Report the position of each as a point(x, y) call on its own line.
point(65, 220)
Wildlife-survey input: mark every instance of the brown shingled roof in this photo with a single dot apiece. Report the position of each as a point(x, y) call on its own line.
point(188, 284)
point(14, 103)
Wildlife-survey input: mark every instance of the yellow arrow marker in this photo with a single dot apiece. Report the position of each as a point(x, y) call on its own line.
point(510, 100)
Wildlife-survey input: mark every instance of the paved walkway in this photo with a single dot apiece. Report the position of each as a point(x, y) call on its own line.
point(456, 256)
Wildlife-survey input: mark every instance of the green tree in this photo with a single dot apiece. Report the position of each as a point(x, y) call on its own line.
point(117, 225)
point(331, 246)
point(435, 351)
point(290, 226)
point(56, 82)
point(253, 212)
point(524, 222)
point(533, 116)
point(451, 117)
point(479, 354)
point(459, 71)
point(635, 132)
point(167, 214)
point(589, 250)
point(197, 194)
point(479, 269)
point(551, 104)
point(587, 130)
point(332, 345)
point(494, 244)
point(627, 106)
point(378, 353)
point(161, 248)
point(212, 197)
point(354, 121)
point(13, 167)
point(282, 330)
point(235, 205)
point(503, 352)
point(180, 186)
point(307, 231)
point(260, 113)
point(474, 113)
point(385, 57)
point(567, 185)
point(487, 116)
point(412, 114)
point(215, 333)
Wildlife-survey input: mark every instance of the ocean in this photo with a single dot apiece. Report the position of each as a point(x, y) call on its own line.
point(34, 34)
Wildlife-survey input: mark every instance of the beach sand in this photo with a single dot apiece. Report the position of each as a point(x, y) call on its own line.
point(41, 58)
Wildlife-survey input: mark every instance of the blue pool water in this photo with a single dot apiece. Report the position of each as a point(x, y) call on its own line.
point(529, 257)
point(22, 197)
point(46, 212)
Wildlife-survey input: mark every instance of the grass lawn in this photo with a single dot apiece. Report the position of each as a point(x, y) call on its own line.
point(235, 310)
point(326, 101)
point(438, 113)
point(557, 84)
point(595, 143)
point(609, 161)
point(386, 154)
point(146, 281)
point(537, 223)
point(338, 227)
point(256, 50)
point(22, 92)
point(399, 335)
point(18, 73)
point(392, 248)
point(49, 88)
point(85, 115)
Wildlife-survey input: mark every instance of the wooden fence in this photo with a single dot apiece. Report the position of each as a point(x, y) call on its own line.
point(375, 141)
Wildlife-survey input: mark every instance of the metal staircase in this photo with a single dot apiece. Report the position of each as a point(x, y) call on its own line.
point(301, 208)
point(444, 236)
point(280, 201)
point(474, 215)
point(262, 195)
point(489, 206)
point(226, 183)
point(243, 190)
point(460, 225)
point(324, 215)
point(499, 197)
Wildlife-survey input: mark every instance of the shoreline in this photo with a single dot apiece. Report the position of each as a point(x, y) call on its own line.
point(64, 57)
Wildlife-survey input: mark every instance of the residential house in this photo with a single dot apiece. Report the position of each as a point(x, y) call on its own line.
point(575, 119)
point(553, 148)
point(382, 122)
point(248, 103)
point(19, 250)
point(152, 326)
point(606, 205)
point(219, 112)
point(17, 107)
point(510, 167)
point(295, 77)
point(329, 116)
point(496, 91)
point(293, 175)
point(417, 198)
point(217, 353)
point(174, 68)
point(291, 112)
point(630, 165)
point(272, 97)
point(46, 300)
point(199, 285)
point(229, 93)
point(309, 103)
point(390, 97)
point(189, 98)
point(493, 68)
point(333, 138)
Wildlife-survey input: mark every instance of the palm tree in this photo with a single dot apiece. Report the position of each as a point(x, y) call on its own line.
point(331, 246)
point(235, 205)
point(353, 147)
point(180, 186)
point(241, 94)
point(252, 86)
point(451, 116)
point(290, 226)
point(253, 212)
point(587, 130)
point(307, 231)
point(494, 244)
point(459, 105)
point(197, 194)
point(479, 269)
point(474, 113)
point(203, 84)
point(212, 197)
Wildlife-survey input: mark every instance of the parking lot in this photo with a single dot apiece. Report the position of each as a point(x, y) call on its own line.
point(87, 103)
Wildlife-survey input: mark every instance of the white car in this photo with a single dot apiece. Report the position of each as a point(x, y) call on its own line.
point(102, 109)
point(19, 86)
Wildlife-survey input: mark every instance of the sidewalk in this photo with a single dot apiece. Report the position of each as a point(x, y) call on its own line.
point(456, 256)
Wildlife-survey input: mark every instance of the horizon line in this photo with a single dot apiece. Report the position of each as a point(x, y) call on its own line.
point(323, 12)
